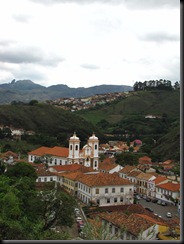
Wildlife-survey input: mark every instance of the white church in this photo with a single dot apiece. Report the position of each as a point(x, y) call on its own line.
point(87, 156)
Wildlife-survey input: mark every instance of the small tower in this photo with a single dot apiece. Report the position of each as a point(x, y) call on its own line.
point(74, 149)
point(93, 142)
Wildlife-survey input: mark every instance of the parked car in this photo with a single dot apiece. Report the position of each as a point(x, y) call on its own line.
point(148, 199)
point(144, 197)
point(163, 203)
point(154, 200)
point(159, 202)
point(149, 209)
point(137, 197)
point(169, 215)
point(78, 219)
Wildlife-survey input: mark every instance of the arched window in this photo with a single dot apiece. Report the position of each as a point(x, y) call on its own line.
point(70, 147)
point(96, 147)
point(76, 147)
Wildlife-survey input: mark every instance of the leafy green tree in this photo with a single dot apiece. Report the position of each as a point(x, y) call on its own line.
point(127, 158)
point(2, 167)
point(21, 169)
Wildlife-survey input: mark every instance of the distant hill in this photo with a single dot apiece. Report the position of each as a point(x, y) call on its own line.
point(127, 116)
point(26, 90)
point(47, 120)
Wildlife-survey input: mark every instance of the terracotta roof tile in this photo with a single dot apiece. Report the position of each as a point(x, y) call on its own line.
point(134, 173)
point(159, 179)
point(102, 179)
point(55, 151)
point(145, 176)
point(127, 169)
point(107, 164)
point(170, 186)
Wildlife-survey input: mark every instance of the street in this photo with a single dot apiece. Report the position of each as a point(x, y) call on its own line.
point(159, 209)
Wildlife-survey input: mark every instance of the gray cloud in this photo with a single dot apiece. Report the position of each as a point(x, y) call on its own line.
point(160, 37)
point(28, 72)
point(21, 17)
point(27, 55)
point(133, 4)
point(151, 4)
point(89, 66)
point(6, 42)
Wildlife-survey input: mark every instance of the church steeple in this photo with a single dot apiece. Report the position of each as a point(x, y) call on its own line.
point(74, 148)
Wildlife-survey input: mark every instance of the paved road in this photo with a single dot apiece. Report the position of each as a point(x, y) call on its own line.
point(159, 209)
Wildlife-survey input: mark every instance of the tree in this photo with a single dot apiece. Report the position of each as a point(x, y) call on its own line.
point(21, 169)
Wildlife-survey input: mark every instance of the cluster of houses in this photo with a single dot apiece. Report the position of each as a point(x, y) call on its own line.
point(82, 174)
point(74, 104)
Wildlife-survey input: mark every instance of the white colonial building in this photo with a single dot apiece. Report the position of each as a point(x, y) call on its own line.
point(105, 189)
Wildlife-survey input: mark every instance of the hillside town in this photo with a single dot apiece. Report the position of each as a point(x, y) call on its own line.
point(119, 196)
point(75, 104)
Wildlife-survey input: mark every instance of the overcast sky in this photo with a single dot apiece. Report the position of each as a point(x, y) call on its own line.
point(83, 43)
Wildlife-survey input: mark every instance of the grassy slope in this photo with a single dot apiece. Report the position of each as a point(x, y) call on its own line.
point(140, 103)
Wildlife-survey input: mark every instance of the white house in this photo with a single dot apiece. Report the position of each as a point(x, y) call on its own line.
point(109, 166)
point(168, 192)
point(131, 227)
point(105, 189)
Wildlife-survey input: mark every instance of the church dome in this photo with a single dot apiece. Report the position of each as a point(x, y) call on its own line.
point(93, 137)
point(74, 137)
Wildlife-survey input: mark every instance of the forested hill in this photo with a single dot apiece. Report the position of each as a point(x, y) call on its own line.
point(152, 116)
point(47, 120)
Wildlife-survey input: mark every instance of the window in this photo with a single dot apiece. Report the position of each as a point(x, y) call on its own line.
point(45, 179)
point(97, 191)
point(113, 190)
point(121, 199)
point(98, 201)
point(95, 163)
point(76, 147)
point(108, 200)
point(115, 199)
point(70, 147)
point(106, 190)
point(96, 147)
point(122, 189)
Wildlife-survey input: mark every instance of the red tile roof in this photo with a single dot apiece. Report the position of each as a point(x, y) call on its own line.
point(159, 179)
point(133, 223)
point(72, 167)
point(167, 162)
point(69, 167)
point(127, 169)
point(107, 164)
point(72, 175)
point(175, 187)
point(145, 160)
point(55, 151)
point(102, 179)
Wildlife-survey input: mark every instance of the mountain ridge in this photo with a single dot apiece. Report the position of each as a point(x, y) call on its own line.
point(26, 90)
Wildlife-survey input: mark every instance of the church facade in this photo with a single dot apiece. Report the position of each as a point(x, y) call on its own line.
point(87, 156)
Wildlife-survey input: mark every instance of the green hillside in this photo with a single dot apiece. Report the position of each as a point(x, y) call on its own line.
point(139, 103)
point(47, 120)
point(125, 120)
